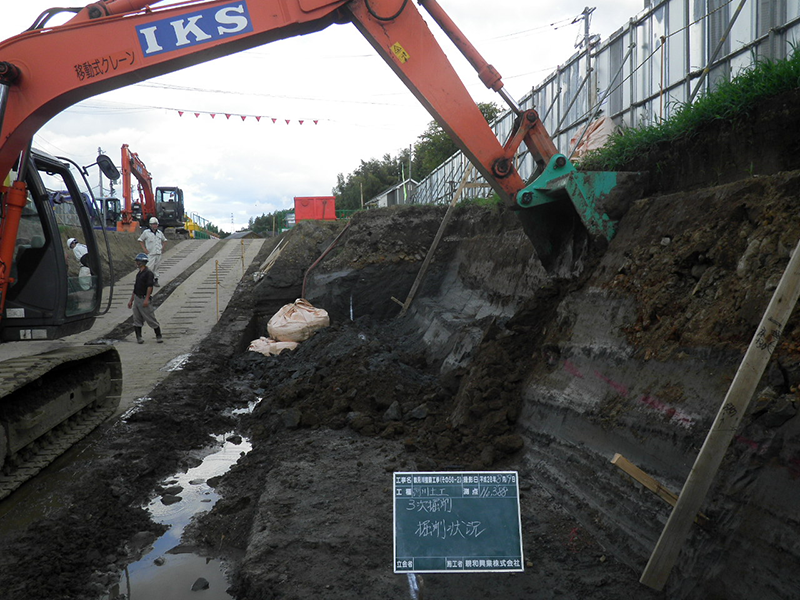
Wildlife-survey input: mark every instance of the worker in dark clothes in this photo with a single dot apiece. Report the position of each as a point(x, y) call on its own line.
point(143, 311)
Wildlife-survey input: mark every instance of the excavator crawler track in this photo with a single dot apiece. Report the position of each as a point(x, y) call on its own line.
point(49, 402)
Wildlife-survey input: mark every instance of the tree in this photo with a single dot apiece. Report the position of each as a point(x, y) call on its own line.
point(217, 231)
point(372, 177)
point(434, 146)
point(266, 223)
point(369, 180)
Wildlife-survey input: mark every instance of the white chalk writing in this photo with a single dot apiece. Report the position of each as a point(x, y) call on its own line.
point(431, 505)
point(443, 529)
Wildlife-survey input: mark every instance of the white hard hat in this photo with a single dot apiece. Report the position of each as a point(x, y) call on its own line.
point(153, 220)
point(71, 241)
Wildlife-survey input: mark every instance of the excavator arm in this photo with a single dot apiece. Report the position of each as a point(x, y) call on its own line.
point(132, 165)
point(114, 43)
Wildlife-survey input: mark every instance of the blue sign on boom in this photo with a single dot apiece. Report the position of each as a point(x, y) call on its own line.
point(192, 29)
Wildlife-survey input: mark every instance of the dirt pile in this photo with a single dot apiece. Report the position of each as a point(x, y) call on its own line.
point(554, 377)
point(307, 511)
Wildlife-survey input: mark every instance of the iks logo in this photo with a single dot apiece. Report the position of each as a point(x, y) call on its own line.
point(195, 28)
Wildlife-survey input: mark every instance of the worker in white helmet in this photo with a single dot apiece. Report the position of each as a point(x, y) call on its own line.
point(80, 250)
point(153, 242)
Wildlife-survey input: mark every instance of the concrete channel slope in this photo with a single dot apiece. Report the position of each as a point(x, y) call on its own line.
point(186, 316)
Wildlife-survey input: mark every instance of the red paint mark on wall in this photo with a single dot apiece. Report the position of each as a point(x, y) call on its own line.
point(570, 368)
point(671, 412)
point(748, 442)
point(618, 387)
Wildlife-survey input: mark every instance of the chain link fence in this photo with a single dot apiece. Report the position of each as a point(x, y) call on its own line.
point(662, 58)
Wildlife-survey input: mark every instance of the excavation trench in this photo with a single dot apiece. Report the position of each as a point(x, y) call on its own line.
point(495, 366)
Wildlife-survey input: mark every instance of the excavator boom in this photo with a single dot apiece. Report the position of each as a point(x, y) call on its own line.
point(114, 43)
point(132, 166)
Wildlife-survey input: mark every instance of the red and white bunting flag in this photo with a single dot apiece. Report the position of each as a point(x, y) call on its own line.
point(244, 117)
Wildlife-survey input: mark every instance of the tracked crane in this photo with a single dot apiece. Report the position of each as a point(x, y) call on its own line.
point(135, 214)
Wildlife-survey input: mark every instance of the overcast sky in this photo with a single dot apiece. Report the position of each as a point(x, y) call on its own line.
point(352, 105)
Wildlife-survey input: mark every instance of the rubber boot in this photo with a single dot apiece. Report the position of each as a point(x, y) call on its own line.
point(138, 331)
point(159, 339)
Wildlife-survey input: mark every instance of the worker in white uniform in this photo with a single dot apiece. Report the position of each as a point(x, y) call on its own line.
point(82, 255)
point(80, 251)
point(153, 242)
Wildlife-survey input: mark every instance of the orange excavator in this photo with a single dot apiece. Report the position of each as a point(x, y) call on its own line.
point(109, 44)
point(135, 214)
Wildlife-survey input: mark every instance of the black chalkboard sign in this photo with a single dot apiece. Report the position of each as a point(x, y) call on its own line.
point(457, 522)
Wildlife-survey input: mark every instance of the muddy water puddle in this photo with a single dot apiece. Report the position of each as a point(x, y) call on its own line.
point(168, 569)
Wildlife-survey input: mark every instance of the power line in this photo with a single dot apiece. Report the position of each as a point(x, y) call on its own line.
point(182, 88)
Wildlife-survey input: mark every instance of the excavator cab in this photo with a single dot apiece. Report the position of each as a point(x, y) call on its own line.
point(52, 294)
point(112, 211)
point(169, 206)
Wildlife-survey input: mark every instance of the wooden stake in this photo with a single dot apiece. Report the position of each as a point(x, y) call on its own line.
point(651, 484)
point(429, 257)
point(724, 427)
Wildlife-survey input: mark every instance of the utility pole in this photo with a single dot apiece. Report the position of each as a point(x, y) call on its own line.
point(587, 42)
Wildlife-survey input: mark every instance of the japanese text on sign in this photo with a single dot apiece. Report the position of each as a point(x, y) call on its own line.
point(457, 522)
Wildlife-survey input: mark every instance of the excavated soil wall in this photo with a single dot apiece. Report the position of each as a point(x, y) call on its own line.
point(555, 377)
point(632, 357)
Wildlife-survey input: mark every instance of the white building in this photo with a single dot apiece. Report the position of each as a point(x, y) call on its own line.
point(398, 194)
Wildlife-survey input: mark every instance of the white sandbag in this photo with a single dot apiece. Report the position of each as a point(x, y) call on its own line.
point(269, 347)
point(297, 321)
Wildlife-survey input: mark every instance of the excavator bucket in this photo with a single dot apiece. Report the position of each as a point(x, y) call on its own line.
point(566, 210)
